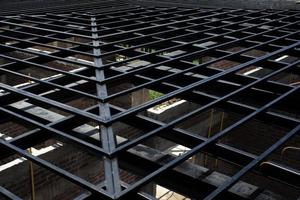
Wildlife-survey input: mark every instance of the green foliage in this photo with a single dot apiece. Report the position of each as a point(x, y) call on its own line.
point(153, 94)
point(197, 61)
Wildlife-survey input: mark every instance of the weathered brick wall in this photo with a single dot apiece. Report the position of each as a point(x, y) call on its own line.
point(50, 186)
point(47, 184)
point(253, 137)
point(12, 129)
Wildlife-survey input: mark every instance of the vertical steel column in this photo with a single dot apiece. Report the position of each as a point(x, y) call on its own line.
point(32, 182)
point(107, 137)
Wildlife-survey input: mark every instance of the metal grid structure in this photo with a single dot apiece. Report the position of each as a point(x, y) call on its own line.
point(17, 7)
point(104, 55)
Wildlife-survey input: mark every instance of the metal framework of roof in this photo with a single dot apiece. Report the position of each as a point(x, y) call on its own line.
point(173, 51)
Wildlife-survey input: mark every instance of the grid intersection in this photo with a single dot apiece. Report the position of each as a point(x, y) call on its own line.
point(81, 81)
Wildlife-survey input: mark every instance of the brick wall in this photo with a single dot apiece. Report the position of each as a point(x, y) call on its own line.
point(48, 185)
